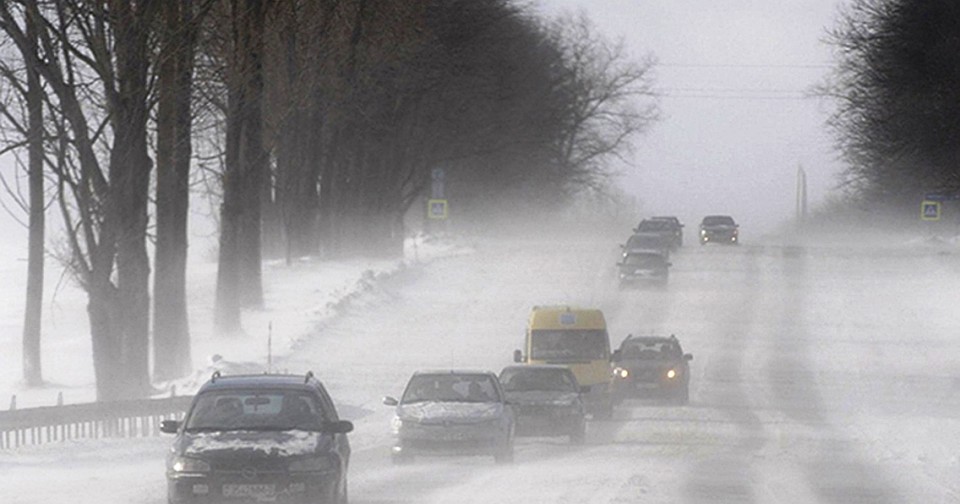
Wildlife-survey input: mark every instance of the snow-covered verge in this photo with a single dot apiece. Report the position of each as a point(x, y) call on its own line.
point(297, 298)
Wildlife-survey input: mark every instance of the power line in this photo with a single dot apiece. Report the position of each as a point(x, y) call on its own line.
point(747, 65)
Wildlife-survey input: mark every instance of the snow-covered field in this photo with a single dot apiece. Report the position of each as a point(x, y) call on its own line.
point(825, 373)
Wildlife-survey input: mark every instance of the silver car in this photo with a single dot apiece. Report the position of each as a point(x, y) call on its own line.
point(452, 413)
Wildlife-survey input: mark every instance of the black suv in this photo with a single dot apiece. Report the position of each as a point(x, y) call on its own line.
point(719, 229)
point(651, 366)
point(259, 438)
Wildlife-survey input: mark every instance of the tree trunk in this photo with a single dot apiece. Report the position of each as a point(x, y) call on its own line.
point(171, 333)
point(32, 369)
point(239, 281)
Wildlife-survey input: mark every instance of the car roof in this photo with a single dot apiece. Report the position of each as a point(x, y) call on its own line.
point(455, 372)
point(651, 339)
point(284, 381)
point(536, 367)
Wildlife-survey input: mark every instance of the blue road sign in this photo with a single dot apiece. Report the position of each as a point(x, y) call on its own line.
point(437, 209)
point(942, 196)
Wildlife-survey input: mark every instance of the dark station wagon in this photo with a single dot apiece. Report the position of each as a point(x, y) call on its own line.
point(259, 438)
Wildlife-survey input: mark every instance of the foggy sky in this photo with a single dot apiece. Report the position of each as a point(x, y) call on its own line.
point(733, 74)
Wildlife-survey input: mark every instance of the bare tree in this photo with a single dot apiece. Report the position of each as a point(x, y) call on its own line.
point(109, 229)
point(239, 280)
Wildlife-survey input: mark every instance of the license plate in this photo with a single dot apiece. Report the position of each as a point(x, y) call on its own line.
point(261, 491)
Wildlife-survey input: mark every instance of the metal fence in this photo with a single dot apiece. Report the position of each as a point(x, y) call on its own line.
point(48, 424)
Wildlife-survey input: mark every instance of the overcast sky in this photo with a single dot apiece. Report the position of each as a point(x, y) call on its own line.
point(733, 74)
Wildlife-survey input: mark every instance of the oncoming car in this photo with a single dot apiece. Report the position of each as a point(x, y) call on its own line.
point(452, 413)
point(651, 366)
point(546, 401)
point(259, 438)
point(719, 229)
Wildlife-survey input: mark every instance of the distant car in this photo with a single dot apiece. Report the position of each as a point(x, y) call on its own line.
point(546, 401)
point(646, 242)
point(719, 229)
point(259, 438)
point(643, 267)
point(670, 230)
point(452, 413)
point(651, 366)
point(675, 224)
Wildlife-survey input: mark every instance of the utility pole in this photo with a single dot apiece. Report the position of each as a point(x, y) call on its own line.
point(801, 197)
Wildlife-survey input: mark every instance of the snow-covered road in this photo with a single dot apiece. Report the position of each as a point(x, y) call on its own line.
point(820, 375)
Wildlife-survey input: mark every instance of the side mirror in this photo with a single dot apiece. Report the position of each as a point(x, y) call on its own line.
point(390, 401)
point(169, 426)
point(636, 229)
point(616, 356)
point(619, 264)
point(622, 246)
point(585, 389)
point(340, 427)
point(517, 356)
point(669, 264)
point(687, 357)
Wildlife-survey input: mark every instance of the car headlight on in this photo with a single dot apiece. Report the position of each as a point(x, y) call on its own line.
point(316, 464)
point(621, 373)
point(187, 465)
point(671, 374)
point(703, 232)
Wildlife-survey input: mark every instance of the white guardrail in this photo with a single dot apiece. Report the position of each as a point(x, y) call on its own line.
point(114, 419)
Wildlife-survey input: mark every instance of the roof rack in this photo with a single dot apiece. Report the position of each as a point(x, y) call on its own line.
point(307, 378)
point(216, 374)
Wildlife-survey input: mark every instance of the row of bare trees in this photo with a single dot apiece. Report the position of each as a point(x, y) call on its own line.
point(324, 120)
point(897, 86)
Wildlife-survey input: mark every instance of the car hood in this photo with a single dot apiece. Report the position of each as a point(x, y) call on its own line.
point(253, 443)
point(449, 412)
point(542, 397)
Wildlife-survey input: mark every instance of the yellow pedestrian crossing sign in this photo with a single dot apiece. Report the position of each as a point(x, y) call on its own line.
point(930, 210)
point(437, 209)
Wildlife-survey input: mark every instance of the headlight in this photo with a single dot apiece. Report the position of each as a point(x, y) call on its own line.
point(703, 232)
point(322, 464)
point(396, 425)
point(184, 465)
point(671, 374)
point(621, 373)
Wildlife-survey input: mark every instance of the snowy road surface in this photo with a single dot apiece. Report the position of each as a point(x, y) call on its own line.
point(820, 375)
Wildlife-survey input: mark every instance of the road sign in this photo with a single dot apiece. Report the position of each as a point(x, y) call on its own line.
point(942, 196)
point(437, 209)
point(930, 210)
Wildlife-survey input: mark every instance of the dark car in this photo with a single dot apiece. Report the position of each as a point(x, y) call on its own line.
point(452, 413)
point(546, 401)
point(719, 229)
point(670, 230)
point(657, 242)
point(675, 225)
point(643, 268)
point(259, 438)
point(651, 366)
